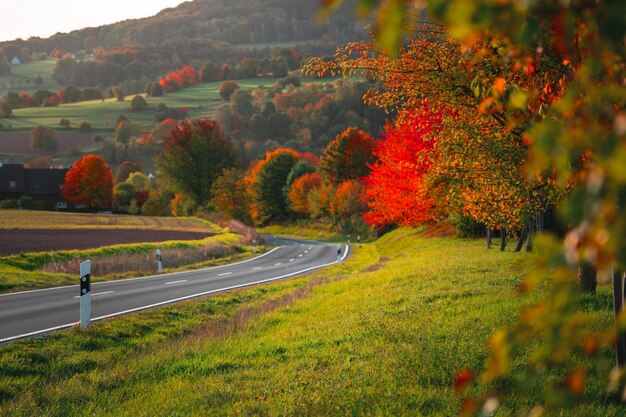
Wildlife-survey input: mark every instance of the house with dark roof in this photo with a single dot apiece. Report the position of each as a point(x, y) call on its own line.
point(42, 184)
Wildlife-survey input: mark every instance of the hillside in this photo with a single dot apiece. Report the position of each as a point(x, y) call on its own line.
point(189, 34)
point(384, 333)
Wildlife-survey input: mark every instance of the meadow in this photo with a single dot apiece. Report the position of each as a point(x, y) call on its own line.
point(201, 100)
point(23, 76)
point(383, 333)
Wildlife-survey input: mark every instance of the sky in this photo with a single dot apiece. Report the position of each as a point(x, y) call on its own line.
point(43, 18)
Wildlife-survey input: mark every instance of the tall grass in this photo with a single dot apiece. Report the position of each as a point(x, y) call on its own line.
point(144, 262)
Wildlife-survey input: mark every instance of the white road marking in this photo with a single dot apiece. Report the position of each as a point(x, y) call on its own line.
point(280, 263)
point(132, 310)
point(292, 259)
point(258, 267)
point(175, 282)
point(225, 273)
point(300, 256)
point(98, 293)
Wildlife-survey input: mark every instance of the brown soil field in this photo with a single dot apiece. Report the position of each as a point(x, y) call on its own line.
point(18, 143)
point(13, 242)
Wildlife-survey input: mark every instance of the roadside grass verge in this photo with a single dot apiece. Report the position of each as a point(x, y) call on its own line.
point(313, 231)
point(33, 219)
point(35, 270)
point(383, 333)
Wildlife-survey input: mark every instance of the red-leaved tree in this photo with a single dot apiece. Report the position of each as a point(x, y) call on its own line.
point(89, 182)
point(395, 187)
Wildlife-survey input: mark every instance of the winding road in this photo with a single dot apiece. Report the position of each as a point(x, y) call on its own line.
point(30, 313)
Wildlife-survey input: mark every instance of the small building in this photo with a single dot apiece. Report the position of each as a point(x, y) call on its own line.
point(41, 184)
point(16, 61)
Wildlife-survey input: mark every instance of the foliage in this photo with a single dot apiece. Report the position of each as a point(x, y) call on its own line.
point(122, 194)
point(157, 204)
point(118, 93)
point(266, 181)
point(298, 194)
point(139, 181)
point(43, 140)
point(89, 182)
point(230, 195)
point(227, 89)
point(194, 156)
point(138, 103)
point(396, 188)
point(347, 157)
point(347, 202)
point(8, 204)
point(5, 110)
point(125, 169)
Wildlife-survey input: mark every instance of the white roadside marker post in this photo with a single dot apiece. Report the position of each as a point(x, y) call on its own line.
point(85, 297)
point(338, 253)
point(358, 239)
point(253, 245)
point(159, 261)
point(348, 239)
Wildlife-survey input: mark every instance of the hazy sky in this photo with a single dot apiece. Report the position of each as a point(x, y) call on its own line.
point(43, 18)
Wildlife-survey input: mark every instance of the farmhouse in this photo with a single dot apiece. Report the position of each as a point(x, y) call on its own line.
point(44, 185)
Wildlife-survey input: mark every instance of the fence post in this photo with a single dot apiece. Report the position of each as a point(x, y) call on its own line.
point(85, 297)
point(159, 261)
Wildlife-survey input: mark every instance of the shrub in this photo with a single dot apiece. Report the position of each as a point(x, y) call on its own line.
point(8, 204)
point(26, 203)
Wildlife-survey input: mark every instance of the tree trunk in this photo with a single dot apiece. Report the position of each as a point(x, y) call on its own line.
point(522, 239)
point(587, 277)
point(618, 303)
point(488, 237)
point(531, 233)
point(502, 239)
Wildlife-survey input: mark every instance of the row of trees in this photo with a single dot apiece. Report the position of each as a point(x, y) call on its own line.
point(527, 102)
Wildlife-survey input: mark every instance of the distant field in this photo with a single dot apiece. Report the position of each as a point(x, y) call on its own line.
point(23, 219)
point(22, 77)
point(18, 143)
point(201, 100)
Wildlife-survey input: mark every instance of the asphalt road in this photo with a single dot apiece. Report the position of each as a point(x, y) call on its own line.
point(30, 313)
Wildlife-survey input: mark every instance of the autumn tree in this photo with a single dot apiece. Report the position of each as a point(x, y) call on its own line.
point(89, 182)
point(396, 187)
point(230, 195)
point(227, 89)
point(299, 191)
point(347, 157)
point(125, 169)
point(118, 93)
point(194, 156)
point(348, 205)
point(43, 140)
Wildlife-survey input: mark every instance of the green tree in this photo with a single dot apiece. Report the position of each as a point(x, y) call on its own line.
point(227, 89)
point(122, 194)
point(138, 103)
point(43, 140)
point(5, 110)
point(230, 195)
point(194, 156)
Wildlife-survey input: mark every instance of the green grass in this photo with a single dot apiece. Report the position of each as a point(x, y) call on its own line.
point(17, 81)
point(202, 100)
point(384, 333)
point(323, 232)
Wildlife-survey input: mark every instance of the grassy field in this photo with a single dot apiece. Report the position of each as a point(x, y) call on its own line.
point(383, 333)
point(202, 100)
point(323, 232)
point(23, 76)
point(24, 219)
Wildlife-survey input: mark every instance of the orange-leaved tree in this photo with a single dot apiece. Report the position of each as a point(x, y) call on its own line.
point(347, 156)
point(89, 182)
point(298, 195)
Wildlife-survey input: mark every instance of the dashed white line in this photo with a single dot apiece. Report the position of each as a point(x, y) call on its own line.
point(98, 293)
point(225, 273)
point(280, 263)
point(258, 267)
point(300, 256)
point(175, 282)
point(292, 259)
